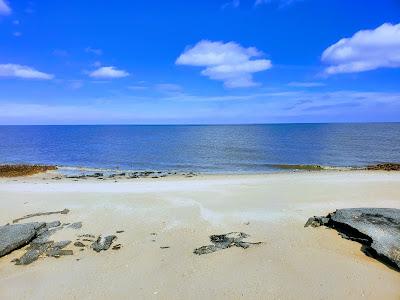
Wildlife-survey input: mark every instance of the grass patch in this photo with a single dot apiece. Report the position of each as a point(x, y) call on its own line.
point(23, 170)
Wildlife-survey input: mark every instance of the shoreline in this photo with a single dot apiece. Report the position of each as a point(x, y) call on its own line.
point(292, 261)
point(79, 172)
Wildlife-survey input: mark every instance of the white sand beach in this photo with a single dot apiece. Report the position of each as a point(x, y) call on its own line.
point(293, 262)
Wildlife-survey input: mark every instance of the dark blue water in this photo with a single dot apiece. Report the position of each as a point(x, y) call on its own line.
point(233, 148)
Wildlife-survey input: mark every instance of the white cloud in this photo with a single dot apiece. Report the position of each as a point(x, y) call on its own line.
point(19, 71)
point(17, 34)
point(108, 72)
point(364, 51)
point(5, 9)
point(93, 50)
point(305, 84)
point(228, 62)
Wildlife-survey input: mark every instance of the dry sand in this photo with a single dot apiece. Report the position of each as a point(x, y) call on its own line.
point(293, 262)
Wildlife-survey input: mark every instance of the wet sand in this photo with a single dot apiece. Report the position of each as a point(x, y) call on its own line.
point(292, 263)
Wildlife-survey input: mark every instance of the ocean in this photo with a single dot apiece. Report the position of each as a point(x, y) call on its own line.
point(202, 148)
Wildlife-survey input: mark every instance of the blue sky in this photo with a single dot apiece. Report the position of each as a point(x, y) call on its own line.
point(196, 62)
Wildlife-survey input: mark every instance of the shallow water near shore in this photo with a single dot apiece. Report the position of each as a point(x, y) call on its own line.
point(204, 148)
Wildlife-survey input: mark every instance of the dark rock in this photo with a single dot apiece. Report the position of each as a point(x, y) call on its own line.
point(33, 252)
point(224, 241)
point(50, 248)
point(377, 229)
point(76, 225)
point(57, 249)
point(29, 257)
point(119, 231)
point(53, 224)
point(317, 221)
point(116, 247)
point(385, 167)
point(58, 252)
point(79, 244)
point(87, 235)
point(165, 247)
point(15, 236)
point(44, 235)
point(61, 244)
point(103, 243)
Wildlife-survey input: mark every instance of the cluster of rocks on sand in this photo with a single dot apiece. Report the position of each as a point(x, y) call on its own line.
point(37, 236)
point(126, 175)
point(377, 229)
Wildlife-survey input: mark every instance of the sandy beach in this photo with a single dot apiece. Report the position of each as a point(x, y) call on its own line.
point(293, 262)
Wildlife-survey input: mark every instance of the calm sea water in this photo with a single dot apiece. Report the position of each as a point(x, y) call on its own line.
point(233, 148)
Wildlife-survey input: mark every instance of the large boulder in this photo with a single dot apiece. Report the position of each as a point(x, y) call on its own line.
point(15, 236)
point(378, 229)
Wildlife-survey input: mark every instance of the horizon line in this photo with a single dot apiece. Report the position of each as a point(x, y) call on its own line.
point(208, 124)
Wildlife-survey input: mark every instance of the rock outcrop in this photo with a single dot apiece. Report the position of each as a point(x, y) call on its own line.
point(16, 236)
point(377, 229)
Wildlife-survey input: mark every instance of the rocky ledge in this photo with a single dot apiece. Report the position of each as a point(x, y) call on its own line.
point(377, 229)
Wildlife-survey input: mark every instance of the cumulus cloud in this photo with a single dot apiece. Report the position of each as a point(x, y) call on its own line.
point(227, 62)
point(5, 9)
point(108, 72)
point(19, 71)
point(364, 51)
